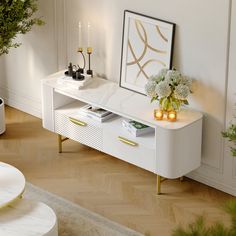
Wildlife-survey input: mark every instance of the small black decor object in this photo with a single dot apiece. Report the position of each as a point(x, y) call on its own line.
point(70, 71)
point(78, 76)
point(81, 69)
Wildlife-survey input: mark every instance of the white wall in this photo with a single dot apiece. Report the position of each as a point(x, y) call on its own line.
point(201, 51)
point(231, 99)
point(22, 69)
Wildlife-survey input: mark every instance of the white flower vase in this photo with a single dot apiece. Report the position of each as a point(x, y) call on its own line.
point(2, 117)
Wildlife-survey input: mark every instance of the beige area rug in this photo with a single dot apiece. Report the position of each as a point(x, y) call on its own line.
point(74, 220)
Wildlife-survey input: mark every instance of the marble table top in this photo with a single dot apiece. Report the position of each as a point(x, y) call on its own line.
point(12, 184)
point(25, 217)
point(109, 96)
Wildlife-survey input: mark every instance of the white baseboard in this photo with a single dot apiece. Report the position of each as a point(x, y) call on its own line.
point(212, 183)
point(21, 102)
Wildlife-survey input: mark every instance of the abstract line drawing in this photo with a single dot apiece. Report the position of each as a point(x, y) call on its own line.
point(147, 48)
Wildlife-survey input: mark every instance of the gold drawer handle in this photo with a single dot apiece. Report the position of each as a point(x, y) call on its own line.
point(77, 122)
point(126, 141)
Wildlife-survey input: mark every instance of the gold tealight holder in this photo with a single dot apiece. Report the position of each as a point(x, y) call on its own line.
point(172, 116)
point(158, 114)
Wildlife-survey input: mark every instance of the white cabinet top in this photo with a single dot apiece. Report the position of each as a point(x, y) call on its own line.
point(108, 95)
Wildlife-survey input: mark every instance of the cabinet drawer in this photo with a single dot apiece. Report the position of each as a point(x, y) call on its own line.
point(129, 150)
point(78, 129)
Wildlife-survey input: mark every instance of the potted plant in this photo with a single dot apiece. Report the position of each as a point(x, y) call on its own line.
point(170, 88)
point(16, 17)
point(199, 228)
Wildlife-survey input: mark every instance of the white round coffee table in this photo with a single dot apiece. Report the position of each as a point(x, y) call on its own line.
point(12, 184)
point(28, 218)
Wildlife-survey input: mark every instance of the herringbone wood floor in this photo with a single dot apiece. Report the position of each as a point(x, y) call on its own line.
point(104, 184)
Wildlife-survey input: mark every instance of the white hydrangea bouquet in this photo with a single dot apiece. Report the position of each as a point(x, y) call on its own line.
point(170, 88)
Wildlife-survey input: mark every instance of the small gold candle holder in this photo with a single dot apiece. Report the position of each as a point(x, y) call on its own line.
point(158, 114)
point(80, 49)
point(172, 116)
point(89, 51)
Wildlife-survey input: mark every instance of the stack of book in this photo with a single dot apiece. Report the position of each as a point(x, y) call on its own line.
point(75, 84)
point(96, 113)
point(136, 128)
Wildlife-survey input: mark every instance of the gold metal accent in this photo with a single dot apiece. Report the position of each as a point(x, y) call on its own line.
point(145, 45)
point(139, 23)
point(80, 49)
point(13, 200)
point(126, 141)
point(60, 141)
point(77, 122)
point(89, 50)
point(137, 60)
point(158, 184)
point(160, 33)
point(150, 61)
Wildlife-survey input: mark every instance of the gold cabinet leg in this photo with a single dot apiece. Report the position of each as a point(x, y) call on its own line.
point(158, 184)
point(59, 143)
point(181, 178)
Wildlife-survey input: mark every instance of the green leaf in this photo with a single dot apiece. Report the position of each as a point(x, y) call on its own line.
point(153, 99)
point(185, 102)
point(198, 228)
point(230, 134)
point(16, 17)
point(165, 104)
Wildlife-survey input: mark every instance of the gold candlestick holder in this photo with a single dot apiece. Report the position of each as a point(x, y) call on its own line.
point(89, 52)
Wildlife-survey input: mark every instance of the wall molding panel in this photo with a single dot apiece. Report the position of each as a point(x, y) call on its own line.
point(223, 186)
point(213, 170)
point(36, 58)
point(21, 101)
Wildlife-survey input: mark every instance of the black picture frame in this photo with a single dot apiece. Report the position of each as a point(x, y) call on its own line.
point(145, 30)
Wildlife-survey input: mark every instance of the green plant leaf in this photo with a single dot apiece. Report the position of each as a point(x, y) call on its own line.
point(195, 229)
point(16, 17)
point(230, 134)
point(153, 99)
point(186, 102)
point(198, 228)
point(165, 104)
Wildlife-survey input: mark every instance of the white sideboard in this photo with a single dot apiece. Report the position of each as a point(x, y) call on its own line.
point(172, 151)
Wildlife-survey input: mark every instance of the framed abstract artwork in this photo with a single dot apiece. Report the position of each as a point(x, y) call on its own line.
point(147, 47)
